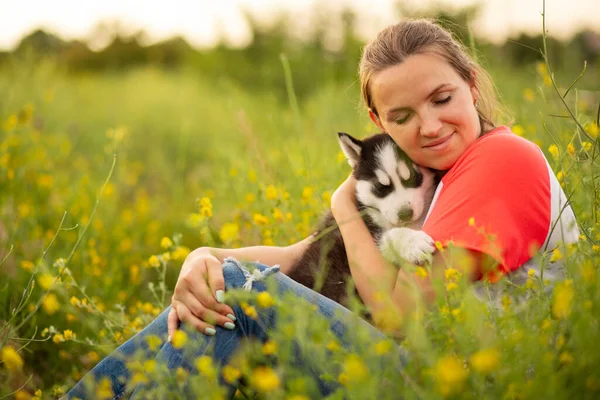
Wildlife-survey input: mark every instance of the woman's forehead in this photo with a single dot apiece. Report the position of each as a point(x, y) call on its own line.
point(412, 80)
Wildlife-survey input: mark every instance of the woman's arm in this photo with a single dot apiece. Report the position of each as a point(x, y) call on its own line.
point(376, 280)
point(285, 256)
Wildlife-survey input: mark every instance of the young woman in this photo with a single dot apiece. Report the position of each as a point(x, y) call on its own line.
point(498, 200)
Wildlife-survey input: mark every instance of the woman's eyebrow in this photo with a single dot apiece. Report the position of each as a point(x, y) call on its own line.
point(394, 110)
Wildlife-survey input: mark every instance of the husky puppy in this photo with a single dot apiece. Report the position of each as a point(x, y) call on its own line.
point(393, 195)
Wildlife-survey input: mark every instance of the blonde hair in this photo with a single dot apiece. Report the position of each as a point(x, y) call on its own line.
point(397, 42)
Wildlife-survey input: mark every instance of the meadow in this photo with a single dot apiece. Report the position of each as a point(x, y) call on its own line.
point(108, 180)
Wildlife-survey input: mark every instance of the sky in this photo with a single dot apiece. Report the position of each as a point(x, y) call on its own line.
point(202, 22)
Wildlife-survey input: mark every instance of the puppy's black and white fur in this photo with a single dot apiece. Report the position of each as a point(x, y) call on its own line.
point(393, 195)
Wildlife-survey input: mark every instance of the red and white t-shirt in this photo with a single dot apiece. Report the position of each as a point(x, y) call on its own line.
point(506, 185)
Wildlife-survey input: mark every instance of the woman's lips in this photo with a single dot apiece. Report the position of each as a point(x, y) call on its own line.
point(439, 144)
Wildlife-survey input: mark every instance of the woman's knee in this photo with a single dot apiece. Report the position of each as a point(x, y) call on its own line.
point(233, 274)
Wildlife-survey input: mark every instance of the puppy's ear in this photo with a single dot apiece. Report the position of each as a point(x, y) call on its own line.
point(351, 147)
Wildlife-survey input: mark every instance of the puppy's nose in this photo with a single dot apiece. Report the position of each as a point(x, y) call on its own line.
point(405, 214)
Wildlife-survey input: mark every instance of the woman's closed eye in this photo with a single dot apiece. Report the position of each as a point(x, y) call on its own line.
point(402, 119)
point(443, 100)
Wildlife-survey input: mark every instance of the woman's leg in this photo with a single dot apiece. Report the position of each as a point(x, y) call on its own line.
point(223, 344)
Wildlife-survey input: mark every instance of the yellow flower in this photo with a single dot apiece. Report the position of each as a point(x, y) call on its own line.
point(264, 300)
point(166, 243)
point(205, 207)
point(565, 358)
point(355, 368)
point(27, 266)
point(553, 150)
point(11, 359)
point(556, 255)
point(231, 374)
point(45, 280)
point(250, 197)
point(149, 366)
point(562, 300)
point(450, 374)
point(204, 364)
point(180, 253)
point(471, 221)
point(153, 342)
point(587, 146)
point(271, 192)
point(571, 149)
point(179, 338)
point(518, 130)
point(153, 261)
point(528, 94)
point(252, 176)
point(333, 346)
point(421, 272)
point(229, 232)
point(69, 335)
point(58, 338)
point(260, 219)
point(264, 380)
point(269, 348)
point(451, 286)
point(485, 361)
point(104, 389)
point(250, 311)
point(438, 245)
point(50, 304)
point(593, 130)
point(384, 347)
point(22, 395)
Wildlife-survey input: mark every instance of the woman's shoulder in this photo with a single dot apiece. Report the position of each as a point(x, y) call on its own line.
point(501, 140)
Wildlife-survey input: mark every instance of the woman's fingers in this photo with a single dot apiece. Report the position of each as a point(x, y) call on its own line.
point(216, 282)
point(203, 325)
point(223, 318)
point(172, 322)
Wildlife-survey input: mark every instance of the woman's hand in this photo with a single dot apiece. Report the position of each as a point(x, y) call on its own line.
point(198, 296)
point(343, 200)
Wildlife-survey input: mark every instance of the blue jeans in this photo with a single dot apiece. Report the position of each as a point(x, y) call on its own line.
point(224, 343)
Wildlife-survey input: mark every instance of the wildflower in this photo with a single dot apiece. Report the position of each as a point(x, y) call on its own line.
point(264, 380)
point(383, 347)
point(231, 374)
point(307, 193)
point(340, 157)
point(37, 395)
point(343, 379)
point(355, 368)
point(45, 280)
point(593, 130)
point(471, 221)
point(166, 243)
point(451, 286)
point(58, 338)
point(553, 150)
point(11, 359)
point(326, 196)
point(421, 272)
point(75, 302)
point(153, 261)
point(571, 149)
point(250, 197)
point(271, 192)
point(518, 130)
point(205, 207)
point(179, 338)
point(485, 361)
point(565, 358)
point(438, 245)
point(269, 348)
point(588, 271)
point(260, 219)
point(450, 374)
point(229, 232)
point(149, 366)
point(233, 172)
point(93, 356)
point(252, 176)
point(265, 300)
point(562, 300)
point(139, 377)
point(277, 214)
point(27, 266)
point(587, 146)
point(22, 395)
point(451, 273)
point(333, 346)
point(528, 94)
point(153, 342)
point(181, 375)
point(556, 255)
point(50, 304)
point(180, 253)
point(249, 311)
point(69, 335)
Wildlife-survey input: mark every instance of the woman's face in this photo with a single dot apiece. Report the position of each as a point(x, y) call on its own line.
point(427, 108)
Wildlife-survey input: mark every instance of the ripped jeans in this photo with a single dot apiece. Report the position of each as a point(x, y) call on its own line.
point(224, 343)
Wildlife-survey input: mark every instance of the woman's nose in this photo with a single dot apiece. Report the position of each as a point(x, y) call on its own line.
point(430, 125)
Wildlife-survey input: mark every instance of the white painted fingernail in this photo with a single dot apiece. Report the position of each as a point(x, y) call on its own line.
point(210, 331)
point(220, 296)
point(169, 339)
point(229, 325)
point(231, 317)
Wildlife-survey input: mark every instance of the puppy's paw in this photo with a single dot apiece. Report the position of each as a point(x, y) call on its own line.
point(407, 244)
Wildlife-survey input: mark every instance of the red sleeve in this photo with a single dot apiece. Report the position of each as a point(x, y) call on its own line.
point(502, 182)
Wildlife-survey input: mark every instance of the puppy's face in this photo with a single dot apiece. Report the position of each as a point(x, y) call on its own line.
point(393, 190)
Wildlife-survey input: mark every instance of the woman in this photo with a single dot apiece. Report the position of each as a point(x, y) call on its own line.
point(421, 88)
